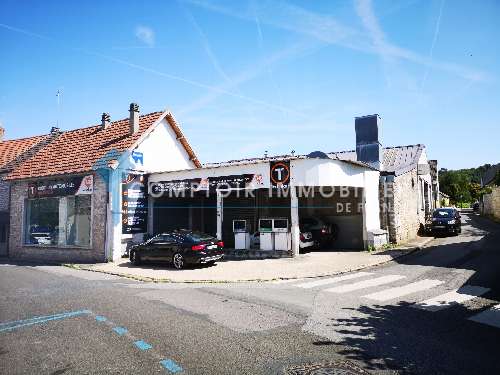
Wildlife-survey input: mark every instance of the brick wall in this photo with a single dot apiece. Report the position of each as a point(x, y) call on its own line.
point(17, 249)
point(400, 207)
point(492, 203)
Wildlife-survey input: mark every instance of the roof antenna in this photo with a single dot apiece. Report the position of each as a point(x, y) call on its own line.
point(58, 95)
point(293, 152)
point(265, 154)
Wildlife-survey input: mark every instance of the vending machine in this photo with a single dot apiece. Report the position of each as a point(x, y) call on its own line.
point(241, 232)
point(282, 237)
point(266, 234)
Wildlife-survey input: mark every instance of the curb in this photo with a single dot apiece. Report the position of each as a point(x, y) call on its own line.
point(408, 251)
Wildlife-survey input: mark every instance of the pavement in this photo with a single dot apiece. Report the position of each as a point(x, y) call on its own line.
point(434, 311)
point(313, 264)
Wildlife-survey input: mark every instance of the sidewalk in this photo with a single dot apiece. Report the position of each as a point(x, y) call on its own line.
point(304, 266)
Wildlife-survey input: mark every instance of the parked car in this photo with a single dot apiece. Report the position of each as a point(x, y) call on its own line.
point(179, 248)
point(306, 240)
point(446, 220)
point(476, 206)
point(323, 233)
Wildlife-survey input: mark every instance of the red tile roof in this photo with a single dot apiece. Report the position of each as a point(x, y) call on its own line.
point(77, 151)
point(11, 150)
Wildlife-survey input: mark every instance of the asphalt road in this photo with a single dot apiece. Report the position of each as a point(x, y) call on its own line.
point(430, 312)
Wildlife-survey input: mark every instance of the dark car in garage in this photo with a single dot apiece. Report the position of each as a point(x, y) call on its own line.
point(323, 233)
point(180, 248)
point(446, 221)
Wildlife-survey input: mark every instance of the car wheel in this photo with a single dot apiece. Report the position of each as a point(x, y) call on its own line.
point(135, 258)
point(178, 261)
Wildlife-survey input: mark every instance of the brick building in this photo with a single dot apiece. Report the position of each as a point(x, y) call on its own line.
point(12, 154)
point(78, 198)
point(491, 202)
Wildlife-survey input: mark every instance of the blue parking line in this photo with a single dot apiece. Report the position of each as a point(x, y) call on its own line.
point(100, 318)
point(142, 345)
point(120, 330)
point(171, 366)
point(10, 326)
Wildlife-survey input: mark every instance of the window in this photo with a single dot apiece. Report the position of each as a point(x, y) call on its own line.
point(61, 221)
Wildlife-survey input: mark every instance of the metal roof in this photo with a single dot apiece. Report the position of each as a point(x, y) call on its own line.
point(396, 160)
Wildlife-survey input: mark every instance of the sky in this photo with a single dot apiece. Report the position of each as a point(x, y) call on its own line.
point(246, 77)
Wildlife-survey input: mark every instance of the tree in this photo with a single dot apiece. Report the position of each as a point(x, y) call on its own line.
point(496, 181)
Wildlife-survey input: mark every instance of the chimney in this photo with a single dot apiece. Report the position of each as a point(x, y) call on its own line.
point(55, 130)
point(368, 147)
point(2, 133)
point(105, 120)
point(134, 118)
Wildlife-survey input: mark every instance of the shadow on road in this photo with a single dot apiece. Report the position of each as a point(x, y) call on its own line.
point(410, 338)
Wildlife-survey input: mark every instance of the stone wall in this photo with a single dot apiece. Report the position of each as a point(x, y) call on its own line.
point(492, 203)
point(401, 213)
point(4, 195)
point(96, 252)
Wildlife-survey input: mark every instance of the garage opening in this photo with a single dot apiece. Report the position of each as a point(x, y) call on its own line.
point(339, 207)
point(252, 206)
point(196, 212)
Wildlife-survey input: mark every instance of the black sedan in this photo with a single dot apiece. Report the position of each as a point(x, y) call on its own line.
point(446, 220)
point(180, 248)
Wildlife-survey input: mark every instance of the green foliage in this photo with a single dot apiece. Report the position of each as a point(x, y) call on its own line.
point(463, 185)
point(496, 181)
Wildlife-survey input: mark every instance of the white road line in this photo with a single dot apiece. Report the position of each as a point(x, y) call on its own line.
point(490, 317)
point(332, 280)
point(404, 290)
point(461, 295)
point(365, 284)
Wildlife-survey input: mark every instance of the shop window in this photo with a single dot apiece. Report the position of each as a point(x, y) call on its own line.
point(61, 221)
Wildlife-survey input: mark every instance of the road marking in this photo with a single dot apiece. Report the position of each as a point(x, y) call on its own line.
point(461, 295)
point(142, 345)
point(365, 284)
point(100, 318)
point(404, 290)
point(332, 280)
point(120, 330)
point(490, 317)
point(171, 366)
point(10, 326)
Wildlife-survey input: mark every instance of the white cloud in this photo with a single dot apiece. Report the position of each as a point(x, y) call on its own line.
point(146, 35)
point(325, 28)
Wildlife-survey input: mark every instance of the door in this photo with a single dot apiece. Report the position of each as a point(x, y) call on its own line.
point(162, 248)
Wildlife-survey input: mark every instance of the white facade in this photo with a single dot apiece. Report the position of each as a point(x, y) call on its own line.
point(161, 151)
point(304, 172)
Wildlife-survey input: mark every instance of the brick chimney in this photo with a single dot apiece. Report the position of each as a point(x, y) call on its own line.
point(2, 133)
point(134, 118)
point(368, 146)
point(105, 120)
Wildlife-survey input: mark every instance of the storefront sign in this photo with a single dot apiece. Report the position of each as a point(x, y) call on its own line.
point(61, 187)
point(280, 173)
point(208, 183)
point(134, 204)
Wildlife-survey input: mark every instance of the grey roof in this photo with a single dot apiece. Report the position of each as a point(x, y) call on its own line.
point(273, 158)
point(490, 174)
point(397, 160)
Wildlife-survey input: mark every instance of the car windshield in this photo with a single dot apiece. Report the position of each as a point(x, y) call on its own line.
point(443, 213)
